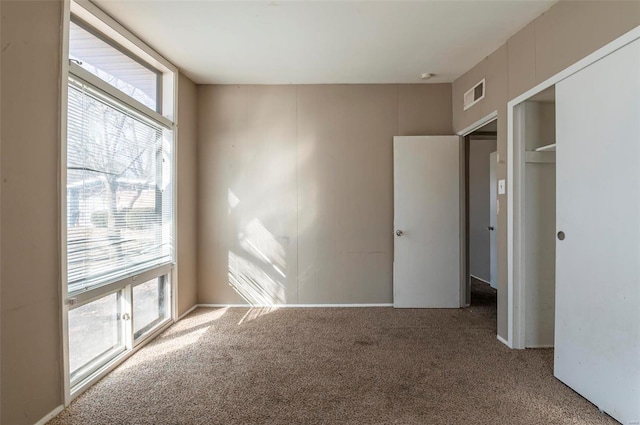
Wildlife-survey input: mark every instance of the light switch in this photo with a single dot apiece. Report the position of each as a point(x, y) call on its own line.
point(501, 184)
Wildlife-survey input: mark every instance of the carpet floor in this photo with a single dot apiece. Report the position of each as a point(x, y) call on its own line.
point(334, 366)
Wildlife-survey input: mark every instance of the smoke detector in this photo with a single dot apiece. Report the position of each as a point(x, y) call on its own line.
point(427, 76)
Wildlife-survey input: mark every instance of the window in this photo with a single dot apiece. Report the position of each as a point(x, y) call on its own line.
point(131, 76)
point(119, 197)
point(97, 335)
point(149, 306)
point(118, 190)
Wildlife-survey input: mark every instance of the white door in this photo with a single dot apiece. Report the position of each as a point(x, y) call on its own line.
point(426, 268)
point(493, 220)
point(597, 326)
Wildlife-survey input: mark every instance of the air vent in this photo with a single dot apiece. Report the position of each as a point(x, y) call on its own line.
point(474, 95)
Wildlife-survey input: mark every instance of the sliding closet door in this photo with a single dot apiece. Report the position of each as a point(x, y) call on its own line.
point(597, 326)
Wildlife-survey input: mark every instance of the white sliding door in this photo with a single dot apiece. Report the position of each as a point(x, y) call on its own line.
point(597, 326)
point(426, 268)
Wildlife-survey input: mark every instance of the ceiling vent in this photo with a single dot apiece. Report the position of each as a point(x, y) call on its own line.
point(474, 95)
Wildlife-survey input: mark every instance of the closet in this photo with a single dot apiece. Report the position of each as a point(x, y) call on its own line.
point(539, 213)
point(577, 250)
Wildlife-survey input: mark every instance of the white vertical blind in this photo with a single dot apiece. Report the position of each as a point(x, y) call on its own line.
point(119, 190)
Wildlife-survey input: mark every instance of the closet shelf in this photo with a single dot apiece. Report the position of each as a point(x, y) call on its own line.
point(547, 148)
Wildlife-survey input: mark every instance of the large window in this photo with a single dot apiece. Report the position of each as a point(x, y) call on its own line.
point(130, 75)
point(96, 335)
point(119, 196)
point(119, 202)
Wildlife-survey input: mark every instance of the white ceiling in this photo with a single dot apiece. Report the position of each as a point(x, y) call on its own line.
point(323, 42)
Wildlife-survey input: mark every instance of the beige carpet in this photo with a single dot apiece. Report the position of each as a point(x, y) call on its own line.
point(334, 366)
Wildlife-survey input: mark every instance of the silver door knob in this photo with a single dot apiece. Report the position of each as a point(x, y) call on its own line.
point(399, 233)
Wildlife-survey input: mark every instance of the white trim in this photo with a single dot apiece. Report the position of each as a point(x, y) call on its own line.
point(540, 346)
point(93, 15)
point(96, 83)
point(504, 341)
point(481, 280)
point(478, 124)
point(86, 296)
point(616, 44)
point(186, 313)
point(46, 418)
point(168, 79)
point(547, 148)
point(293, 305)
point(62, 199)
point(514, 280)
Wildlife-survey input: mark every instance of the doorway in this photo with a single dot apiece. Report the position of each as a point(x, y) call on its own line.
point(481, 278)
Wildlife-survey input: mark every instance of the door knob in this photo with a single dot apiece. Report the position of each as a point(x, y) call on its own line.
point(491, 228)
point(561, 235)
point(399, 232)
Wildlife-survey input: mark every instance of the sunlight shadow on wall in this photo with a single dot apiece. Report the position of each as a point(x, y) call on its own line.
point(257, 268)
point(233, 200)
point(261, 244)
point(253, 284)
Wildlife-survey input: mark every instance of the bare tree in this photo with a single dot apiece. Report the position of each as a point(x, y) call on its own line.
point(114, 155)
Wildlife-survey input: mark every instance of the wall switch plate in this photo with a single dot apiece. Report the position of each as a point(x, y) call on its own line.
point(501, 185)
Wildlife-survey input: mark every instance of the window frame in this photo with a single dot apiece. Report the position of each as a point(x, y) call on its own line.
point(91, 30)
point(140, 336)
point(90, 368)
point(109, 30)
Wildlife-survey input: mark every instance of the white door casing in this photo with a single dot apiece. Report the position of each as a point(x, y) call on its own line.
point(426, 222)
point(597, 326)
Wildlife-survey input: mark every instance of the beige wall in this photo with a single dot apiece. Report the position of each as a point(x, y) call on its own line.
point(309, 166)
point(187, 194)
point(296, 190)
point(30, 265)
point(563, 35)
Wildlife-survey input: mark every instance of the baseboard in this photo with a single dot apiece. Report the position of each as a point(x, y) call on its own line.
point(50, 415)
point(540, 346)
point(187, 312)
point(294, 305)
point(504, 341)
